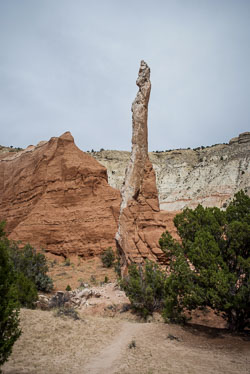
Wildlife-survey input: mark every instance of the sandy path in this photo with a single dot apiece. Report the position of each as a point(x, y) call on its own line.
point(107, 360)
point(94, 345)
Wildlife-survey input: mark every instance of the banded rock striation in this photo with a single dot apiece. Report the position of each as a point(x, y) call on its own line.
point(186, 177)
point(57, 197)
point(140, 221)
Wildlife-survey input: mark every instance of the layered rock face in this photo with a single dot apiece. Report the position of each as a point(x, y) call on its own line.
point(140, 221)
point(186, 177)
point(209, 176)
point(57, 197)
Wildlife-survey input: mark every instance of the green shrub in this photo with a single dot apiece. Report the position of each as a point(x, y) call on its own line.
point(68, 288)
point(32, 264)
point(144, 286)
point(9, 306)
point(211, 267)
point(29, 271)
point(108, 257)
point(26, 290)
point(67, 262)
point(106, 279)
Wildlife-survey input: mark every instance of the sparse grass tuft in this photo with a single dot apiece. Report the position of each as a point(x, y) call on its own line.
point(132, 344)
point(67, 312)
point(67, 262)
point(106, 279)
point(93, 280)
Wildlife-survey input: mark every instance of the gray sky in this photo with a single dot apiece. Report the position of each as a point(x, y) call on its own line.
point(72, 66)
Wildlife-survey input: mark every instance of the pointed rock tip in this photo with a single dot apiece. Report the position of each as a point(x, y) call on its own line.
point(144, 68)
point(144, 64)
point(144, 74)
point(67, 137)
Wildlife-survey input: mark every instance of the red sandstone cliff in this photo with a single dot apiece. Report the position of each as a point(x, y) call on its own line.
point(57, 197)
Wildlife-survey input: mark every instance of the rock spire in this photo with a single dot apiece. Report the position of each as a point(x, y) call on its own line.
point(140, 221)
point(139, 152)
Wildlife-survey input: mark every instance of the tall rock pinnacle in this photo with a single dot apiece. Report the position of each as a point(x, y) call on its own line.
point(139, 153)
point(140, 222)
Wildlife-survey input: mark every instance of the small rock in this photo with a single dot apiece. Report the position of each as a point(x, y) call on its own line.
point(83, 302)
point(42, 305)
point(85, 293)
point(59, 293)
point(96, 294)
point(76, 301)
point(172, 337)
point(43, 298)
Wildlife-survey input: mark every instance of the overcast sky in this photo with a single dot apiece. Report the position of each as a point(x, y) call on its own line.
point(71, 65)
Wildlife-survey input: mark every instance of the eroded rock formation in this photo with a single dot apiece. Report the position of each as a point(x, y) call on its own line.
point(57, 197)
point(140, 221)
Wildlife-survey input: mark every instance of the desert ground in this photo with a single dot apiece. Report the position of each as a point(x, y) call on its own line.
point(109, 340)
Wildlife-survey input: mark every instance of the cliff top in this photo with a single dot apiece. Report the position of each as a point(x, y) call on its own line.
point(240, 139)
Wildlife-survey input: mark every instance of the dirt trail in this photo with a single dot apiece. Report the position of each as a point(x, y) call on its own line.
point(94, 345)
point(106, 361)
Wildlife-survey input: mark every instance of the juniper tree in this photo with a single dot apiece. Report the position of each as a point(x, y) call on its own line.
point(9, 307)
point(211, 266)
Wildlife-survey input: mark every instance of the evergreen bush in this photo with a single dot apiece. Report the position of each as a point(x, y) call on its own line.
point(211, 267)
point(108, 257)
point(31, 264)
point(144, 287)
point(26, 291)
point(9, 306)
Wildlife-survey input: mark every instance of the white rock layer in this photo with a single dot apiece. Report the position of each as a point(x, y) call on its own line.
point(209, 176)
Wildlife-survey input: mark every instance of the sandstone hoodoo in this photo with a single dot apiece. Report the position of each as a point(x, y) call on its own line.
point(57, 197)
point(140, 221)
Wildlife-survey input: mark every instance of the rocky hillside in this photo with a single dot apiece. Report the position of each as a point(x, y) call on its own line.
point(186, 177)
point(57, 197)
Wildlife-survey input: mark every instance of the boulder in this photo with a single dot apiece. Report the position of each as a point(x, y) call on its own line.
point(86, 293)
